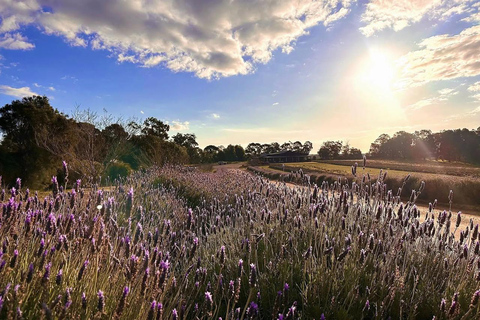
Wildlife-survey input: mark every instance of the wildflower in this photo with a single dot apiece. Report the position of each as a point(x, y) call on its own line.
point(222, 255)
point(252, 310)
point(58, 279)
point(14, 259)
point(151, 311)
point(253, 275)
point(208, 299)
point(121, 304)
point(30, 273)
point(84, 301)
point(46, 275)
point(240, 267)
point(101, 301)
point(82, 270)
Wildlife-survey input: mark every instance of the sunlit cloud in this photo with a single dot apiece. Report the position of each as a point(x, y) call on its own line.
point(215, 116)
point(399, 14)
point(275, 104)
point(221, 39)
point(179, 126)
point(442, 57)
point(15, 41)
point(443, 95)
point(474, 87)
point(16, 92)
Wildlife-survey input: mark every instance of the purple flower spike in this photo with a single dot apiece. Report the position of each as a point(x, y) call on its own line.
point(101, 301)
point(253, 275)
point(208, 299)
point(84, 301)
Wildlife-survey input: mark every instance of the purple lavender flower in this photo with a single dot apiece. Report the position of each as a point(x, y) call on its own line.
point(65, 169)
point(209, 299)
point(14, 259)
point(82, 270)
point(54, 185)
point(58, 279)
point(123, 299)
point(240, 267)
point(443, 305)
point(222, 255)
point(151, 311)
point(46, 275)
point(101, 301)
point(30, 273)
point(18, 184)
point(253, 275)
point(174, 314)
point(252, 310)
point(84, 301)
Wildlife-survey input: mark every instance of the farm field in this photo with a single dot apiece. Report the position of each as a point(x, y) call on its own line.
point(438, 167)
point(169, 244)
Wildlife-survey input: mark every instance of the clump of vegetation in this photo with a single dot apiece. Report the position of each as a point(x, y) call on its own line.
point(248, 249)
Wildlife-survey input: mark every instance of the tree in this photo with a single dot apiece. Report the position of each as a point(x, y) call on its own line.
point(154, 127)
point(26, 125)
point(330, 149)
point(377, 144)
point(307, 147)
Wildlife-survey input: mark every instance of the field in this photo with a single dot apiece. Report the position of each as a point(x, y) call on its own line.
point(181, 243)
point(438, 167)
point(466, 188)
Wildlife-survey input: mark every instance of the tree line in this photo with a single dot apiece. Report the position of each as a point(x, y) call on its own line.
point(35, 138)
point(461, 145)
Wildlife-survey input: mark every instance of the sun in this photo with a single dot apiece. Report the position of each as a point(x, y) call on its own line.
point(376, 71)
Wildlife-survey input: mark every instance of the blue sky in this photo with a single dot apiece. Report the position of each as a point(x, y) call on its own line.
point(256, 71)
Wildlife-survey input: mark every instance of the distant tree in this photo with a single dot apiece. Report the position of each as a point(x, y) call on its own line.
point(188, 140)
point(287, 146)
point(154, 127)
point(253, 149)
point(330, 150)
point(377, 144)
point(307, 147)
point(239, 153)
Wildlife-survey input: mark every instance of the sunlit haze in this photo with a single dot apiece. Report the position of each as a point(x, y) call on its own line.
point(234, 72)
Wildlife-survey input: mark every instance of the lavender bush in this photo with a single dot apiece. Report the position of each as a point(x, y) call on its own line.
point(177, 243)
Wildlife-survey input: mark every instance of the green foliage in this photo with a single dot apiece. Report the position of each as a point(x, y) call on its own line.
point(118, 170)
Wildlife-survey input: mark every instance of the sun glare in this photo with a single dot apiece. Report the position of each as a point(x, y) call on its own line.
point(376, 71)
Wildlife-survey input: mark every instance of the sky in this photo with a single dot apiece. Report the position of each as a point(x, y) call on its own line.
point(241, 71)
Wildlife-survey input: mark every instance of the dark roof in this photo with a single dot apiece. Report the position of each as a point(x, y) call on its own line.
point(285, 153)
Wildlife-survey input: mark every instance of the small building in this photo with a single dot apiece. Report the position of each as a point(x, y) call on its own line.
point(285, 156)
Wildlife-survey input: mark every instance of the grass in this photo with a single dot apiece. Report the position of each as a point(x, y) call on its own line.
point(427, 166)
point(176, 242)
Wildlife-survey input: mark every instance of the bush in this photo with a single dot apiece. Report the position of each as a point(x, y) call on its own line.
point(118, 169)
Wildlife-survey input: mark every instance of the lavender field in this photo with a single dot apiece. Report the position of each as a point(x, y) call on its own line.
point(178, 243)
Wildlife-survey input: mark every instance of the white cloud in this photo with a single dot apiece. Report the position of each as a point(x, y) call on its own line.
point(275, 104)
point(399, 14)
point(36, 85)
point(215, 116)
point(179, 126)
point(210, 39)
point(444, 94)
point(442, 57)
point(15, 41)
point(51, 88)
point(16, 92)
point(474, 87)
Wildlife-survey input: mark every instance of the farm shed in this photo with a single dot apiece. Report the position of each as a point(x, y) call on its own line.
point(284, 156)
